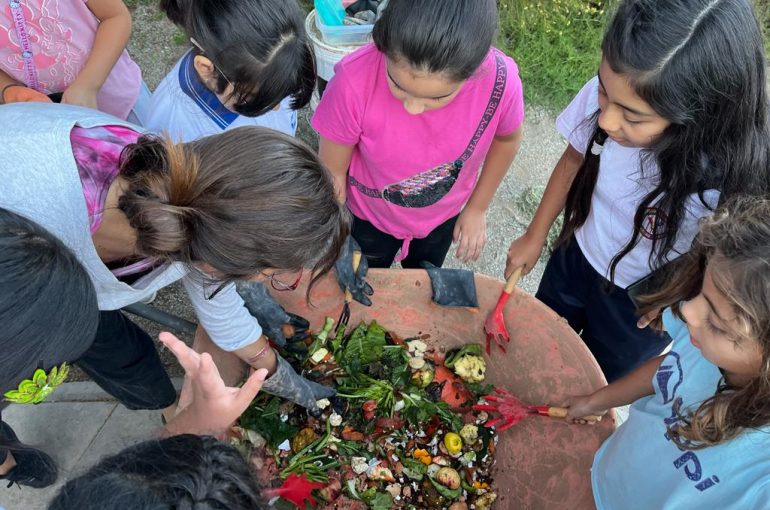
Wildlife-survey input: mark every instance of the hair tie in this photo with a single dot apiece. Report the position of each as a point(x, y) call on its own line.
point(596, 148)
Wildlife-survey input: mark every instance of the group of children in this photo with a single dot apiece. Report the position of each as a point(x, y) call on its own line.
point(664, 188)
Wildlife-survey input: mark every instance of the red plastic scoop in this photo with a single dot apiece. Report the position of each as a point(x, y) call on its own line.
point(494, 326)
point(510, 410)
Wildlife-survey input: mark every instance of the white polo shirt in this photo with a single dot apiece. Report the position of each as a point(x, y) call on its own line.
point(620, 188)
point(187, 110)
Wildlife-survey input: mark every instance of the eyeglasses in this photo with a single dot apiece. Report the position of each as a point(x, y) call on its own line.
point(200, 48)
point(282, 286)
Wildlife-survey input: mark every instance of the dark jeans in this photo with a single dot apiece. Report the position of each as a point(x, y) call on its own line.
point(124, 362)
point(600, 312)
point(380, 248)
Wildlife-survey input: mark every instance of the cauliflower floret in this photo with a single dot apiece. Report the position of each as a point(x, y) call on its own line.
point(469, 433)
point(335, 420)
point(471, 368)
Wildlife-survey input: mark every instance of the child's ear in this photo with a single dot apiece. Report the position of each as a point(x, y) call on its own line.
point(205, 69)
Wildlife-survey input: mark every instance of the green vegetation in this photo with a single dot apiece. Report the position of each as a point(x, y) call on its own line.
point(555, 43)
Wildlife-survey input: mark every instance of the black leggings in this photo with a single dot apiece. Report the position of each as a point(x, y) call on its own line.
point(124, 362)
point(380, 248)
point(600, 312)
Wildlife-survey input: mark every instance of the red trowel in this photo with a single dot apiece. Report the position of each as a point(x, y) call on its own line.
point(511, 410)
point(494, 326)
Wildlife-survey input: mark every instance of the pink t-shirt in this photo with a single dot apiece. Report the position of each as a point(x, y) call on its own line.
point(410, 173)
point(59, 36)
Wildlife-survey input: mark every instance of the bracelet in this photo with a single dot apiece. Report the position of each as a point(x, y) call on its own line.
point(261, 354)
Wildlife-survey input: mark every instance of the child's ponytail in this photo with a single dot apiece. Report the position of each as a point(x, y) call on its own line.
point(161, 188)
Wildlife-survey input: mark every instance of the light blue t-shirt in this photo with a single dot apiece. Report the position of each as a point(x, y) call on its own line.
point(184, 108)
point(638, 467)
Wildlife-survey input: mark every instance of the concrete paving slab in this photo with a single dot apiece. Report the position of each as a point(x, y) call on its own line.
point(122, 429)
point(65, 431)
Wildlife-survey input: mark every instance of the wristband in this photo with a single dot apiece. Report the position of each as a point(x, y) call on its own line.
point(259, 355)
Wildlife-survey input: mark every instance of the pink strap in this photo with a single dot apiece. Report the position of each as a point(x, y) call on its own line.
point(136, 267)
point(404, 250)
point(30, 72)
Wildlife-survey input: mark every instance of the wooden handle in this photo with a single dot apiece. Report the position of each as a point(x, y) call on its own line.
point(356, 263)
point(561, 412)
point(512, 280)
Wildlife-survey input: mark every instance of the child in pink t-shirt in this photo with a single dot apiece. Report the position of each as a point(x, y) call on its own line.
point(75, 48)
point(419, 129)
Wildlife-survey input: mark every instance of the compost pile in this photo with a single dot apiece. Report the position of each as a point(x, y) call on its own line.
point(400, 433)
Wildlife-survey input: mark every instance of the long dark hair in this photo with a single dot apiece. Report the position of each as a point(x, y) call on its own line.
point(438, 36)
point(242, 201)
point(701, 65)
point(184, 472)
point(259, 45)
point(48, 308)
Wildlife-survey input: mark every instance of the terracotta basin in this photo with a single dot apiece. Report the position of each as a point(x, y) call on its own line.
point(541, 462)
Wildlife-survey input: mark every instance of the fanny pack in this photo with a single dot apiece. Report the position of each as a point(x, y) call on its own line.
point(430, 186)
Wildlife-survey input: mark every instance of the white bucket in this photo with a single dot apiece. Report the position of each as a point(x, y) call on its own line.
point(326, 55)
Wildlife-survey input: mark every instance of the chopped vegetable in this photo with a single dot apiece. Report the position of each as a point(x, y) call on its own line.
point(320, 355)
point(335, 420)
point(448, 477)
point(423, 377)
point(422, 455)
point(471, 368)
point(469, 433)
point(453, 443)
point(389, 439)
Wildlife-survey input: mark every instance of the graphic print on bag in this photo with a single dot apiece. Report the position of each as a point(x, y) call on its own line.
point(654, 224)
point(430, 186)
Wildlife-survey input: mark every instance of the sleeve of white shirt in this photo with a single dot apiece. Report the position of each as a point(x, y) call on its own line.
point(225, 318)
point(574, 122)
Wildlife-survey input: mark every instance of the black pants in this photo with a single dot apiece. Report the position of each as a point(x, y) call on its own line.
point(600, 312)
point(124, 362)
point(380, 248)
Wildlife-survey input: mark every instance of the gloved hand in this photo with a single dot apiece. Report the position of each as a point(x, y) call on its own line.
point(270, 315)
point(288, 384)
point(452, 287)
point(22, 94)
point(354, 282)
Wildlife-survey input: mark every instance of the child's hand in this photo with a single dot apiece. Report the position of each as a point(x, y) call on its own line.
point(582, 405)
point(81, 95)
point(524, 251)
point(648, 319)
point(22, 94)
point(470, 234)
point(213, 406)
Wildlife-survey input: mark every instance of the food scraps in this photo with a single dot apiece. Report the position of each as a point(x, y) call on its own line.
point(399, 434)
